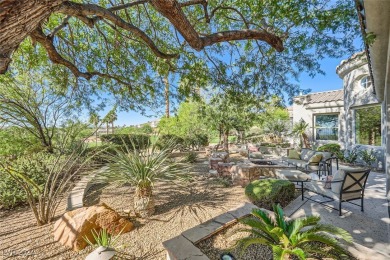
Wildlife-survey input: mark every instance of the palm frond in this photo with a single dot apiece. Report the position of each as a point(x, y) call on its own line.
point(342, 233)
point(316, 250)
point(248, 241)
point(262, 215)
point(325, 239)
point(299, 253)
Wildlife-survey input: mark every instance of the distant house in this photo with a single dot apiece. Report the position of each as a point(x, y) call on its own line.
point(351, 116)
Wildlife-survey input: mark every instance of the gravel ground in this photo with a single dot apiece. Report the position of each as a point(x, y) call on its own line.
point(224, 242)
point(179, 206)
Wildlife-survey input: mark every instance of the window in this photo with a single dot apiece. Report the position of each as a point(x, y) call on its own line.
point(368, 125)
point(327, 127)
point(365, 82)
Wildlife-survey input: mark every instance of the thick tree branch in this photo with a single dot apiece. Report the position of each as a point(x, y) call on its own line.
point(171, 9)
point(235, 35)
point(125, 6)
point(85, 10)
point(54, 56)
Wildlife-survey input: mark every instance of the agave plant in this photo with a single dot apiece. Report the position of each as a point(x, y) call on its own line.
point(293, 237)
point(141, 168)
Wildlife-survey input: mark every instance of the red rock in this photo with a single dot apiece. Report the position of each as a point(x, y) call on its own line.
point(71, 229)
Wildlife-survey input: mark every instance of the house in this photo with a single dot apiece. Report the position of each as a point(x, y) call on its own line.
point(374, 17)
point(351, 116)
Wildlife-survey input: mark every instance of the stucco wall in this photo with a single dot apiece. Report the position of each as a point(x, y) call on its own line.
point(307, 112)
point(351, 71)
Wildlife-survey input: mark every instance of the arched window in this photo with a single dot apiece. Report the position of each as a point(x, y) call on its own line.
point(365, 82)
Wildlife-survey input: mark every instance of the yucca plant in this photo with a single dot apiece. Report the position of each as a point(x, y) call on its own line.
point(141, 168)
point(103, 238)
point(301, 237)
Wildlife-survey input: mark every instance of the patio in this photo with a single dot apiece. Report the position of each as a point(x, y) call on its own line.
point(370, 228)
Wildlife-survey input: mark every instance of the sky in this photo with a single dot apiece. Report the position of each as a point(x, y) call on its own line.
point(329, 81)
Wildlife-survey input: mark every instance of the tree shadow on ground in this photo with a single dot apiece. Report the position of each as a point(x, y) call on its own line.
point(189, 200)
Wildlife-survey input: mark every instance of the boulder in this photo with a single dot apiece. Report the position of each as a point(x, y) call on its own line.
point(71, 229)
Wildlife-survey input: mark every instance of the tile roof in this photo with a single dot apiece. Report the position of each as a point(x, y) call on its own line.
point(319, 97)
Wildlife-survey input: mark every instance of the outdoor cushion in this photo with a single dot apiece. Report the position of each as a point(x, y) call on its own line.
point(325, 155)
point(304, 152)
point(315, 159)
point(337, 181)
point(293, 154)
point(307, 155)
point(319, 188)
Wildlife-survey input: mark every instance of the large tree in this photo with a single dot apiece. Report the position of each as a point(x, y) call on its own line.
point(116, 44)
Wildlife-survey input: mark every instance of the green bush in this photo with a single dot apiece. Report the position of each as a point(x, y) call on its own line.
point(35, 168)
point(99, 154)
point(196, 141)
point(190, 157)
point(335, 149)
point(164, 140)
point(332, 148)
point(129, 140)
point(265, 193)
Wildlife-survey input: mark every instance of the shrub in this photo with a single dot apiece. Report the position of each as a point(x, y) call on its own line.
point(190, 157)
point(166, 140)
point(350, 156)
point(332, 148)
point(196, 141)
point(130, 140)
point(11, 195)
point(57, 171)
point(99, 153)
point(265, 193)
point(335, 149)
point(368, 157)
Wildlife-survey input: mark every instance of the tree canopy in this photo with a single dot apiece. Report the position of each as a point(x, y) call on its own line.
point(124, 48)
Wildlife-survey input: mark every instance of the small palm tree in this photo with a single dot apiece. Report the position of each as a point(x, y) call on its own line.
point(286, 237)
point(299, 129)
point(141, 169)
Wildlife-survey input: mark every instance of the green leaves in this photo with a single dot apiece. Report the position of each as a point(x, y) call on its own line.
point(288, 237)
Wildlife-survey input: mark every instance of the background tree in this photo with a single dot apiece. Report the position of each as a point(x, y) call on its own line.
point(235, 110)
point(35, 107)
point(94, 119)
point(110, 118)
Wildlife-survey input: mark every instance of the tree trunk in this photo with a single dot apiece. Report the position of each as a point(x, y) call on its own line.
point(166, 93)
point(18, 18)
point(107, 128)
point(144, 202)
point(226, 140)
point(305, 139)
point(112, 127)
